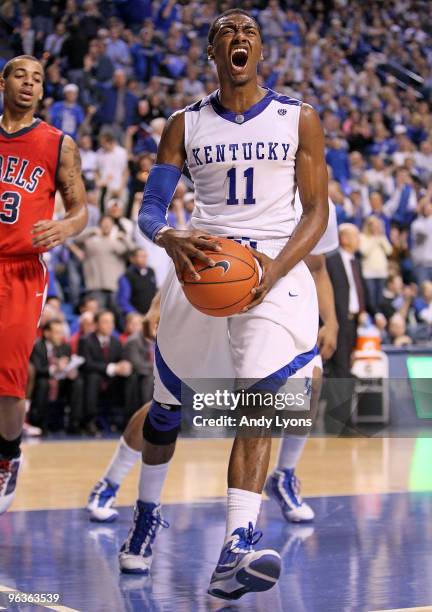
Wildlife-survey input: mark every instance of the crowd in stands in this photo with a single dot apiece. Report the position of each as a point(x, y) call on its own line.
point(116, 70)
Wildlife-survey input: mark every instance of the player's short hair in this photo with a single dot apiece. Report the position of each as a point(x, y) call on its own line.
point(8, 67)
point(233, 11)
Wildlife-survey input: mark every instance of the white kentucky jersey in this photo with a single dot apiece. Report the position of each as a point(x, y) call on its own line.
point(329, 241)
point(243, 166)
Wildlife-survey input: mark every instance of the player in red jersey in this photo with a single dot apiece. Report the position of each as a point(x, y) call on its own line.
point(35, 160)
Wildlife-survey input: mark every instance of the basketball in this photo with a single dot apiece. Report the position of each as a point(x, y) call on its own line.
point(224, 289)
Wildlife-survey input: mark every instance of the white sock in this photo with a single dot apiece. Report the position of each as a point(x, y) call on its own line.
point(122, 462)
point(152, 479)
point(243, 508)
point(290, 451)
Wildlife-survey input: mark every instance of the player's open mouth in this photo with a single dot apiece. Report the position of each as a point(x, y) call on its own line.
point(239, 58)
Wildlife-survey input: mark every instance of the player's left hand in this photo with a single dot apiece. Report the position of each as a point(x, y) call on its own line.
point(327, 340)
point(271, 273)
point(50, 233)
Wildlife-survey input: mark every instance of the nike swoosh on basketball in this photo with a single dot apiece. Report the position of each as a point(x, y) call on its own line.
point(292, 294)
point(219, 264)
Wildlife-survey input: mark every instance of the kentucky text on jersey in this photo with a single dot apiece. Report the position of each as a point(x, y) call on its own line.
point(235, 151)
point(20, 172)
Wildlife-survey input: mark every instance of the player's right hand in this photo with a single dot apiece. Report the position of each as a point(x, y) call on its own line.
point(184, 245)
point(327, 340)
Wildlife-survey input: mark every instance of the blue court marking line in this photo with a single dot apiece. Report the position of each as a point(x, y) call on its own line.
point(6, 590)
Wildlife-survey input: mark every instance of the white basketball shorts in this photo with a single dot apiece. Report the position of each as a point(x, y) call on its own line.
point(274, 340)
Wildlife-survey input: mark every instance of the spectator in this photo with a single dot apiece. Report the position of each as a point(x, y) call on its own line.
point(86, 327)
point(423, 160)
point(272, 20)
point(137, 286)
point(118, 108)
point(139, 351)
point(145, 55)
point(139, 175)
point(396, 298)
point(377, 210)
point(104, 371)
point(421, 232)
point(351, 301)
point(375, 248)
point(397, 334)
point(103, 256)
point(98, 70)
point(42, 16)
point(167, 14)
point(24, 41)
point(54, 84)
point(74, 50)
point(54, 382)
point(88, 161)
point(90, 20)
point(338, 160)
point(121, 223)
point(402, 204)
point(193, 88)
point(112, 167)
point(135, 12)
point(54, 42)
point(88, 304)
point(378, 177)
point(117, 49)
point(151, 143)
point(67, 116)
point(133, 324)
point(423, 304)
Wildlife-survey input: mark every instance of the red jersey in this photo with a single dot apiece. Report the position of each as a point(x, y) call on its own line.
point(29, 161)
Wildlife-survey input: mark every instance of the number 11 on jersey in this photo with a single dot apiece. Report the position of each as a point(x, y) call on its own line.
point(232, 186)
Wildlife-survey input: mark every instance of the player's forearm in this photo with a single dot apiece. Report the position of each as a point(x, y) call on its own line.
point(306, 235)
point(325, 295)
point(76, 219)
point(155, 303)
point(160, 188)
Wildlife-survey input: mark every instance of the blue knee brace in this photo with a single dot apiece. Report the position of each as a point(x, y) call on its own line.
point(162, 424)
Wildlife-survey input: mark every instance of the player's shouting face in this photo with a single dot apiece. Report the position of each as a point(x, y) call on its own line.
point(23, 85)
point(236, 48)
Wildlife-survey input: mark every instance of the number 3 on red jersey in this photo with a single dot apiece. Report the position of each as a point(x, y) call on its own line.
point(9, 206)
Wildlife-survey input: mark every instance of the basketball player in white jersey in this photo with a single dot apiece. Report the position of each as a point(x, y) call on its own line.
point(246, 148)
point(282, 485)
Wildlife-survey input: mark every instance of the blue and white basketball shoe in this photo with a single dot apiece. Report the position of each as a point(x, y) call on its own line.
point(136, 554)
point(101, 500)
point(8, 480)
point(241, 569)
point(284, 488)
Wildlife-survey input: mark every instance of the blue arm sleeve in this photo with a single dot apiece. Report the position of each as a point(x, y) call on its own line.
point(160, 188)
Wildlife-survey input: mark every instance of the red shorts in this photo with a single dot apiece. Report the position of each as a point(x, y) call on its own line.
point(23, 287)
